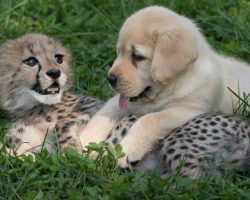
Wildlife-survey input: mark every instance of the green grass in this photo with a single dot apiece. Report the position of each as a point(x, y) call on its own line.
point(90, 29)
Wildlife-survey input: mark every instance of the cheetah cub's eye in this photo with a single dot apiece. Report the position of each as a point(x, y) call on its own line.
point(59, 58)
point(31, 61)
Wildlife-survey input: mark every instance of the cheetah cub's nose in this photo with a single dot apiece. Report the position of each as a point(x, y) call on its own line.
point(54, 73)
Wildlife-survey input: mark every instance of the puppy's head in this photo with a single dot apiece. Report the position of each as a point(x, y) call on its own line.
point(154, 46)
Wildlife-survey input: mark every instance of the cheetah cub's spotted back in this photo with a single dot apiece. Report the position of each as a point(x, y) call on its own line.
point(35, 82)
point(215, 142)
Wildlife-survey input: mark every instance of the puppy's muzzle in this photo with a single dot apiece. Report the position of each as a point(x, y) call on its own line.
point(112, 79)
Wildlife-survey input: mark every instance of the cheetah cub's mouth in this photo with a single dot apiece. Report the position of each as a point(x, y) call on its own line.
point(50, 95)
point(53, 89)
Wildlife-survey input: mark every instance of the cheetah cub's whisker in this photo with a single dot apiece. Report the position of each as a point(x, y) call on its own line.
point(35, 82)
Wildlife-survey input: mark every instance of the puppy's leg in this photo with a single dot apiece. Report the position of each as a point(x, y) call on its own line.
point(101, 123)
point(120, 131)
point(151, 128)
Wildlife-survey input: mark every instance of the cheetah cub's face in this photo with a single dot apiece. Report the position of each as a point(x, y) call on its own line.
point(34, 69)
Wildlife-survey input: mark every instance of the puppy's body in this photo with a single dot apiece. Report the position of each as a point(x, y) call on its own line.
point(235, 74)
point(166, 71)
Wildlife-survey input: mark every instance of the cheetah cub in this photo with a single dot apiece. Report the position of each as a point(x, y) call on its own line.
point(35, 82)
point(213, 141)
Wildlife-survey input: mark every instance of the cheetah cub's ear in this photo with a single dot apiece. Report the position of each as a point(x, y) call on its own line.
point(34, 69)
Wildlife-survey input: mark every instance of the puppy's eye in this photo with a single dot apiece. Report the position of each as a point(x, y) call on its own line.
point(31, 61)
point(59, 58)
point(137, 58)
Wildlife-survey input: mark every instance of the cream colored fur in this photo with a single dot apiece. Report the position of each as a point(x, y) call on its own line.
point(186, 78)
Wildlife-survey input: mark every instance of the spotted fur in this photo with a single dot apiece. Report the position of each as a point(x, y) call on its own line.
point(35, 82)
point(207, 142)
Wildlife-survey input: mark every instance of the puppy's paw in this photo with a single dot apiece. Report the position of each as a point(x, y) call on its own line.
point(125, 163)
point(133, 155)
point(93, 155)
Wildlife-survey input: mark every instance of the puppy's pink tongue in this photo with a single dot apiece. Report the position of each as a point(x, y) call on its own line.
point(123, 102)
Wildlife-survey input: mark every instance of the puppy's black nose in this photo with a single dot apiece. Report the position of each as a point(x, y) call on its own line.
point(54, 73)
point(112, 80)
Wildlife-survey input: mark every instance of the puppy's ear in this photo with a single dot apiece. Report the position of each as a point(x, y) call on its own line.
point(173, 53)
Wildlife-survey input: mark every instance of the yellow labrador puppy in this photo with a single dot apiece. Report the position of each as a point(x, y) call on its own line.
point(166, 71)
